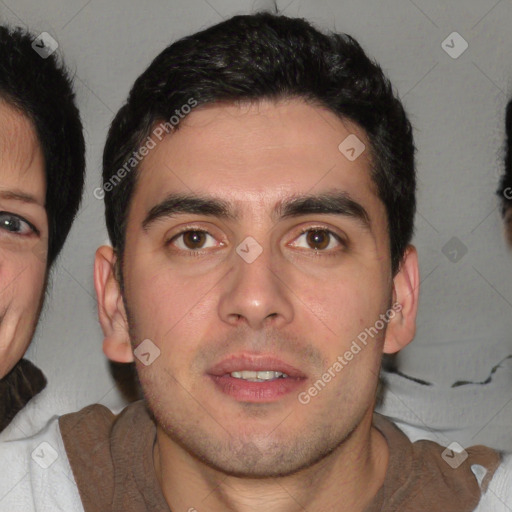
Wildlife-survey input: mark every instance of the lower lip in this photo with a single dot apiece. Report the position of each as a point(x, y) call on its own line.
point(256, 392)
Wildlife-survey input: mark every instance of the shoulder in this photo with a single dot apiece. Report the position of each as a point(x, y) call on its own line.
point(92, 426)
point(455, 477)
point(86, 439)
point(46, 470)
point(37, 473)
point(93, 439)
point(95, 418)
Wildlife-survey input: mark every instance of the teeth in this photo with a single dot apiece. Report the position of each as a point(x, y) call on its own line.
point(258, 376)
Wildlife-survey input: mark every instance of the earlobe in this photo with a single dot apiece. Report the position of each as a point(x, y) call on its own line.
point(402, 327)
point(111, 311)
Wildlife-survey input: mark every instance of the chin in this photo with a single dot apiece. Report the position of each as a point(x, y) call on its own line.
point(258, 457)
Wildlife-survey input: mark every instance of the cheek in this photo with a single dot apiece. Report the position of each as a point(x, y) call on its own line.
point(22, 281)
point(20, 300)
point(164, 306)
point(345, 304)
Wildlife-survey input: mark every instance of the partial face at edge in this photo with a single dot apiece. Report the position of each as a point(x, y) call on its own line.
point(23, 235)
point(507, 220)
point(320, 280)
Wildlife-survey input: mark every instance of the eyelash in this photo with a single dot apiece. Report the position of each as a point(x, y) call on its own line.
point(315, 252)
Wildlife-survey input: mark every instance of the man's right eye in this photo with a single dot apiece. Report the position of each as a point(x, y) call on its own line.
point(191, 239)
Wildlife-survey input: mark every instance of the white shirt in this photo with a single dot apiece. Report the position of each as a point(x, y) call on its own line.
point(498, 497)
point(36, 475)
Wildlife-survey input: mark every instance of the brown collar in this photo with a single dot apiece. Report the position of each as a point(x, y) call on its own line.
point(112, 460)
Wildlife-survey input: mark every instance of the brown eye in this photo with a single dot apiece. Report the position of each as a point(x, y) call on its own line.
point(318, 239)
point(194, 239)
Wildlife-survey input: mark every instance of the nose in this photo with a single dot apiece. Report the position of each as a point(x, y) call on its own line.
point(255, 293)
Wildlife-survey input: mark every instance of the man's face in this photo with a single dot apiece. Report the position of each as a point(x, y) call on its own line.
point(212, 304)
point(23, 235)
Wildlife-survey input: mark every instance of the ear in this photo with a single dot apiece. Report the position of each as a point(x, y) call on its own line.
point(111, 311)
point(406, 283)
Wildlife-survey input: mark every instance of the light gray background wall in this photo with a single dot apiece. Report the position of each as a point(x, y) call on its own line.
point(456, 107)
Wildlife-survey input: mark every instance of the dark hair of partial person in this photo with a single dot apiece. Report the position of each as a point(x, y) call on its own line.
point(505, 189)
point(41, 90)
point(266, 56)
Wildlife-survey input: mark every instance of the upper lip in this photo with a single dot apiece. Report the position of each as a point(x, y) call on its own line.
point(254, 362)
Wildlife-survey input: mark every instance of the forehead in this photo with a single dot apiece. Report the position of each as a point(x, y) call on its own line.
point(16, 128)
point(258, 152)
point(20, 151)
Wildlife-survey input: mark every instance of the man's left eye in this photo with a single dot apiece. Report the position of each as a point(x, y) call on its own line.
point(318, 239)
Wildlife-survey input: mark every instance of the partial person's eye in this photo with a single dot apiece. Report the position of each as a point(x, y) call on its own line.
point(319, 239)
point(192, 240)
point(16, 224)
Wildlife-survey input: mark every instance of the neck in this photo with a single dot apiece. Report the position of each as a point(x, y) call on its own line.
point(346, 479)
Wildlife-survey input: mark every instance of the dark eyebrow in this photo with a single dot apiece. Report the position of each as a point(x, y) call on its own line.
point(329, 203)
point(175, 204)
point(18, 196)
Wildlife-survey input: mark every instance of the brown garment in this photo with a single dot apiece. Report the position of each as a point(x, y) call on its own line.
point(419, 479)
point(21, 384)
point(112, 461)
point(112, 458)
